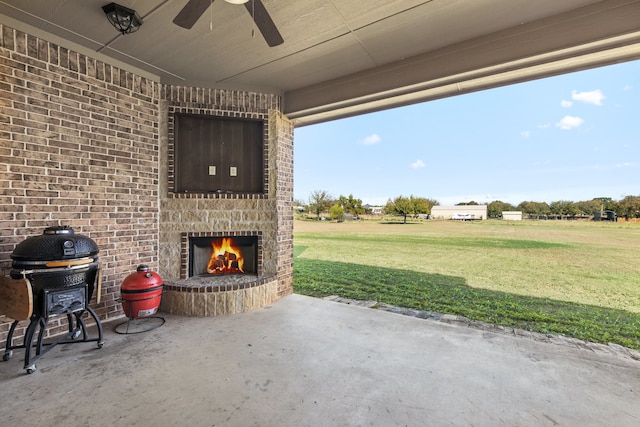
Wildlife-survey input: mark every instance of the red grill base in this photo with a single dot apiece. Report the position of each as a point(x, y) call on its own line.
point(141, 304)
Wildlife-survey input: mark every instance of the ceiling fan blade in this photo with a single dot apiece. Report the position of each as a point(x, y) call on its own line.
point(264, 22)
point(191, 12)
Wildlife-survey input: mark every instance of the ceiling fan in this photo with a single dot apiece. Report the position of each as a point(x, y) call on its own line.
point(194, 9)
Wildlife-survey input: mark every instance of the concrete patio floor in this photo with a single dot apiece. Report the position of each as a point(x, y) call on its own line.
point(310, 362)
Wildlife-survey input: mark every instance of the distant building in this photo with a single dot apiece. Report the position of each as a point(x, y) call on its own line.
point(512, 215)
point(375, 210)
point(462, 212)
point(605, 216)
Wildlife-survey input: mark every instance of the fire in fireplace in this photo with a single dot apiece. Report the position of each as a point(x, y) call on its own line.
point(226, 258)
point(223, 255)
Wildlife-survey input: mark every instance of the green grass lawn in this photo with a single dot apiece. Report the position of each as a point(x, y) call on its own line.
point(579, 279)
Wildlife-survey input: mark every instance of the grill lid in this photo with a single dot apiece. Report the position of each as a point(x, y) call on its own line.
point(55, 243)
point(141, 280)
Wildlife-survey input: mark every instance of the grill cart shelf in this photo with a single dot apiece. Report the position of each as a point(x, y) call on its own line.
point(64, 304)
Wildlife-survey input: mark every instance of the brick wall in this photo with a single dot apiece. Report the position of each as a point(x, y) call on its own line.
point(86, 144)
point(78, 147)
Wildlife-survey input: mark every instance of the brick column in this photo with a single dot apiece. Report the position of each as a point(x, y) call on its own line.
point(284, 199)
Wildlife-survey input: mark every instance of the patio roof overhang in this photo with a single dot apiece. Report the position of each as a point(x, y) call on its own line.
point(340, 59)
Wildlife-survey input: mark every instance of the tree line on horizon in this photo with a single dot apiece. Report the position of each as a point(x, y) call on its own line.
point(321, 202)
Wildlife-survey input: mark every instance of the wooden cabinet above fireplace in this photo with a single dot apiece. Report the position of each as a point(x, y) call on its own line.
point(218, 154)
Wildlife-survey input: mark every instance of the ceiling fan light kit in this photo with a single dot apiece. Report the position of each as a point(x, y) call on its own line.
point(125, 20)
point(236, 1)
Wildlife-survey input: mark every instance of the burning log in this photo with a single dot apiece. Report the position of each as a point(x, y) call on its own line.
point(225, 259)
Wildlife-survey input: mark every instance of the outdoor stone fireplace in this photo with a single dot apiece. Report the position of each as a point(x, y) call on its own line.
point(205, 289)
point(221, 254)
point(257, 215)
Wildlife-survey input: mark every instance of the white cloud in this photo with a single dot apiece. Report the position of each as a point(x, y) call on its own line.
point(611, 166)
point(627, 87)
point(625, 165)
point(569, 122)
point(525, 133)
point(544, 126)
point(594, 97)
point(566, 104)
point(418, 164)
point(371, 139)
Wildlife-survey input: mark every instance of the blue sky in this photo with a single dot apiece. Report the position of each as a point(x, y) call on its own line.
point(571, 137)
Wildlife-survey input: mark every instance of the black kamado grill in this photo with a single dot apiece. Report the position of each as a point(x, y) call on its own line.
point(61, 267)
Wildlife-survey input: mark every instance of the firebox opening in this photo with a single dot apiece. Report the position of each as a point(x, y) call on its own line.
point(215, 256)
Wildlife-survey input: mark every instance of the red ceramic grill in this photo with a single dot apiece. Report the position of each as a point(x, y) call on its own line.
point(141, 293)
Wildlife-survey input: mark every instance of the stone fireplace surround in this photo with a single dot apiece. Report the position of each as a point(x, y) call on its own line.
point(265, 214)
point(218, 295)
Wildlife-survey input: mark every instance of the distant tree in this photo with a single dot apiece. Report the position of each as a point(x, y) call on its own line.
point(495, 208)
point(628, 207)
point(588, 207)
point(351, 205)
point(411, 205)
point(399, 206)
point(319, 201)
point(428, 204)
point(337, 212)
point(534, 208)
point(563, 207)
point(471, 203)
point(605, 202)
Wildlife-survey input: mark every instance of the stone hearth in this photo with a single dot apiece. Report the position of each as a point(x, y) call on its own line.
point(202, 297)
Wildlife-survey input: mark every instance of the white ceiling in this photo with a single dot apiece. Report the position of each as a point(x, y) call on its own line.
point(345, 57)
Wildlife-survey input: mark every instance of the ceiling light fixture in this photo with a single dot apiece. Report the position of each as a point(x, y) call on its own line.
point(125, 20)
point(236, 1)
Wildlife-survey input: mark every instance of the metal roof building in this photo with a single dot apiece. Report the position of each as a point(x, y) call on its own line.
point(462, 212)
